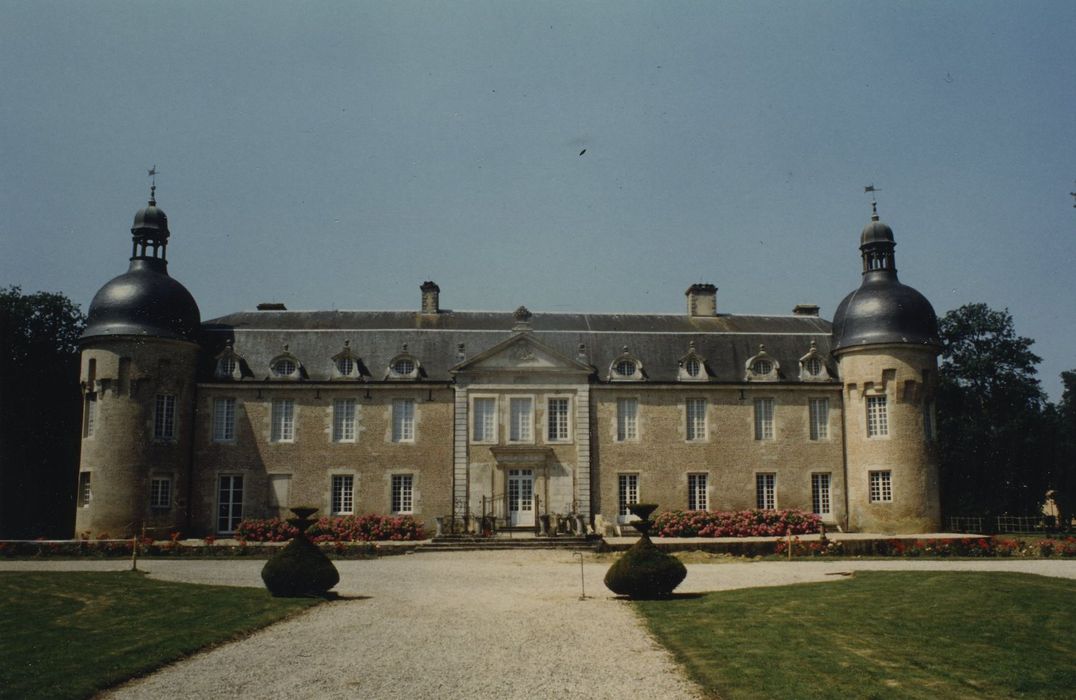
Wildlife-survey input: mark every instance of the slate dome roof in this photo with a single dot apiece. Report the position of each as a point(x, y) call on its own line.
point(876, 232)
point(144, 301)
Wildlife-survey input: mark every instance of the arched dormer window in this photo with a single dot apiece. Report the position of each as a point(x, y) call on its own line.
point(813, 366)
point(404, 366)
point(285, 366)
point(762, 367)
point(228, 364)
point(692, 366)
point(345, 364)
point(626, 368)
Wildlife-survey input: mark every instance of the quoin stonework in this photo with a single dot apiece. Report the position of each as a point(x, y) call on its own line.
point(193, 425)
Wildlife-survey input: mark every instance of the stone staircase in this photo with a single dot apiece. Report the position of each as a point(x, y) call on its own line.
point(510, 540)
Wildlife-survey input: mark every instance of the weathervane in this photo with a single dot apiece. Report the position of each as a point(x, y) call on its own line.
point(874, 200)
point(152, 173)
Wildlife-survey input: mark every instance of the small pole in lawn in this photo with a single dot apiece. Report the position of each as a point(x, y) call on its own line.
point(134, 554)
point(788, 534)
point(582, 582)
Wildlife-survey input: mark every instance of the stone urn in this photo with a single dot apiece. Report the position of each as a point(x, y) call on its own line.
point(300, 569)
point(645, 572)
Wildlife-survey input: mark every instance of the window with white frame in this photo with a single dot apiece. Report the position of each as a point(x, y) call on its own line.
point(877, 417)
point(403, 493)
point(520, 419)
point(89, 419)
point(818, 418)
point(557, 419)
point(345, 366)
point(223, 420)
point(164, 417)
point(763, 419)
point(820, 498)
point(344, 420)
point(343, 494)
point(766, 491)
point(881, 487)
point(85, 493)
point(625, 368)
point(403, 420)
point(627, 419)
point(693, 367)
point(627, 493)
point(695, 409)
point(226, 367)
point(229, 503)
point(285, 367)
point(697, 498)
point(813, 366)
point(160, 493)
point(484, 419)
point(282, 419)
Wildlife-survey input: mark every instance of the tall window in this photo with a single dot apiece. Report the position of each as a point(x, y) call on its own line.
point(283, 420)
point(819, 418)
point(521, 411)
point(484, 420)
point(627, 419)
point(696, 419)
point(279, 490)
point(89, 422)
point(164, 417)
point(160, 493)
point(877, 417)
point(229, 503)
point(344, 420)
point(343, 494)
point(928, 420)
point(820, 500)
point(881, 487)
point(697, 498)
point(763, 419)
point(766, 491)
point(223, 420)
point(627, 493)
point(557, 414)
point(85, 494)
point(403, 499)
point(403, 420)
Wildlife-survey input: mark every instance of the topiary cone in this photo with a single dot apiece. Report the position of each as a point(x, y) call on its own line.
point(645, 572)
point(300, 569)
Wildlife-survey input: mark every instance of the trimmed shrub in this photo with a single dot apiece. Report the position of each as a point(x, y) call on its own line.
point(744, 523)
point(645, 572)
point(300, 569)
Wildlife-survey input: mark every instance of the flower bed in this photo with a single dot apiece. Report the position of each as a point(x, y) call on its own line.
point(964, 547)
point(366, 528)
point(744, 523)
point(265, 530)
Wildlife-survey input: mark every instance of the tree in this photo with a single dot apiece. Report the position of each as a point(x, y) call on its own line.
point(40, 413)
point(995, 446)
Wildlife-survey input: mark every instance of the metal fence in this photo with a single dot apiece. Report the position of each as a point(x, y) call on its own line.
point(964, 524)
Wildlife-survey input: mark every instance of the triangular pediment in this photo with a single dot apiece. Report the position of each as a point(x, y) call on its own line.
point(522, 352)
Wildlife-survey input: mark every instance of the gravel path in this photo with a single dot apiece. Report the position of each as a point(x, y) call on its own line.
point(465, 625)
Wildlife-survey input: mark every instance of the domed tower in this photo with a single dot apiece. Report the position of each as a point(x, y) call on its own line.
point(139, 356)
point(885, 338)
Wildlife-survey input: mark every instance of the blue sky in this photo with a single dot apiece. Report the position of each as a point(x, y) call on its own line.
point(335, 155)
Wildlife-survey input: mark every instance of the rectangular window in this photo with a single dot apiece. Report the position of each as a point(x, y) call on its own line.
point(403, 420)
point(484, 420)
point(89, 422)
point(230, 503)
point(819, 418)
point(766, 491)
point(627, 493)
point(403, 499)
point(283, 420)
point(279, 490)
point(85, 494)
point(696, 419)
point(627, 419)
point(881, 484)
point(820, 500)
point(697, 498)
point(160, 493)
point(521, 419)
point(344, 420)
point(223, 420)
point(557, 413)
point(164, 417)
point(343, 495)
point(763, 419)
point(928, 421)
point(877, 417)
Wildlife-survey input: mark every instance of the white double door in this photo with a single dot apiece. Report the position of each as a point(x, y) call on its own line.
point(521, 497)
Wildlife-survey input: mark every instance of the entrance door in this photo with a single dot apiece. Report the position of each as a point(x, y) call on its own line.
point(521, 497)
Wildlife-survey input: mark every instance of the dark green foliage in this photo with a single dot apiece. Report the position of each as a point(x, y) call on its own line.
point(299, 569)
point(645, 572)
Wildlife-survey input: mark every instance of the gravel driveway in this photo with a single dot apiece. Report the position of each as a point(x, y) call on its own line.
point(465, 625)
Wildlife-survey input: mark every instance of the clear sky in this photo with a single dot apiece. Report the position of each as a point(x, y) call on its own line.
point(337, 154)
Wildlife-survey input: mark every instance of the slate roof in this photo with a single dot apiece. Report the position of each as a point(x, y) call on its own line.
point(376, 337)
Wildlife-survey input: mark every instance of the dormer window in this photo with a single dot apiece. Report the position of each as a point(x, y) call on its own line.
point(813, 366)
point(228, 364)
point(404, 366)
point(285, 366)
point(692, 367)
point(626, 367)
point(345, 364)
point(762, 367)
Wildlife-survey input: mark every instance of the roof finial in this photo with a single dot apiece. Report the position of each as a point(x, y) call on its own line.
point(152, 172)
point(874, 200)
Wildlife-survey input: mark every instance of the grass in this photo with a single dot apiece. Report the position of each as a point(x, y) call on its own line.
point(70, 634)
point(878, 635)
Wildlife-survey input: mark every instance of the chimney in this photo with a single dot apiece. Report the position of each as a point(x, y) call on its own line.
point(272, 306)
point(701, 300)
point(805, 310)
point(430, 298)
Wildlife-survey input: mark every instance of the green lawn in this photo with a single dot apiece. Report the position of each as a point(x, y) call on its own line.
point(879, 635)
point(69, 634)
